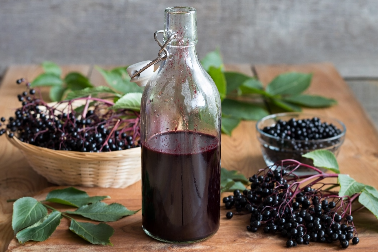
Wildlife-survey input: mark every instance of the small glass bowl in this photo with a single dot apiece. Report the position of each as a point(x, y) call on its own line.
point(275, 149)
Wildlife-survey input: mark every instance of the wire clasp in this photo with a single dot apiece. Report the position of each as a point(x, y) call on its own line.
point(162, 55)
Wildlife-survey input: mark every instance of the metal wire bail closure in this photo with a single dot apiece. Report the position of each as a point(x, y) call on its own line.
point(162, 54)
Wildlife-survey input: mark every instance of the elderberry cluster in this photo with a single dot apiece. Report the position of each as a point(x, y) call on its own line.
point(42, 125)
point(293, 138)
point(303, 129)
point(279, 206)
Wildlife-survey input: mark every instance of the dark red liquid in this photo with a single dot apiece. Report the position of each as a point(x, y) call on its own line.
point(181, 186)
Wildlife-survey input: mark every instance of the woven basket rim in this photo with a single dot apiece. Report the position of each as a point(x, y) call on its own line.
point(100, 156)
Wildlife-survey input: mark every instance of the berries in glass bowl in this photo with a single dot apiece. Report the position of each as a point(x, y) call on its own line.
point(290, 135)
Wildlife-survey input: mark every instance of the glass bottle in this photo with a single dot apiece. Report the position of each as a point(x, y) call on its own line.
point(181, 139)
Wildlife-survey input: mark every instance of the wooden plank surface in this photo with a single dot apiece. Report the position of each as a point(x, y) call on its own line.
point(358, 157)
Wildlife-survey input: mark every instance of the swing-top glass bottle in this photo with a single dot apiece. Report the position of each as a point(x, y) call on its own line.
point(181, 139)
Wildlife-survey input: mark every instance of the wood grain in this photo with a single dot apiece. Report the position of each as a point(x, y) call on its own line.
point(241, 151)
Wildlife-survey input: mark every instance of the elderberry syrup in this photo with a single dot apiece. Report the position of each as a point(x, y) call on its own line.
point(181, 139)
point(181, 186)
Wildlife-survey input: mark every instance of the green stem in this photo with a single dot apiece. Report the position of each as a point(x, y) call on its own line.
point(11, 200)
point(51, 208)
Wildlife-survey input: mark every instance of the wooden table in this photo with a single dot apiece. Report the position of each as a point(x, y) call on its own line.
point(358, 157)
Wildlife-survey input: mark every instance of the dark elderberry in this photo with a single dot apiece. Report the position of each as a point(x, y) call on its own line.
point(290, 243)
point(229, 215)
point(349, 236)
point(355, 240)
point(344, 243)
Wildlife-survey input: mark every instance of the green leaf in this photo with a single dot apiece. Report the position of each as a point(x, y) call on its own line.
point(242, 110)
point(253, 86)
point(26, 212)
point(218, 77)
point(370, 201)
point(72, 197)
point(285, 105)
point(47, 79)
point(119, 79)
point(234, 80)
point(95, 234)
point(324, 159)
point(371, 190)
point(90, 91)
point(227, 185)
point(312, 101)
point(232, 180)
point(101, 211)
point(214, 59)
point(289, 84)
point(77, 81)
point(232, 175)
point(56, 93)
point(237, 186)
point(348, 186)
point(229, 124)
point(129, 101)
point(51, 68)
point(41, 230)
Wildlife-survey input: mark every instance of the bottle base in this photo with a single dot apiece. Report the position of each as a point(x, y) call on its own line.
point(176, 242)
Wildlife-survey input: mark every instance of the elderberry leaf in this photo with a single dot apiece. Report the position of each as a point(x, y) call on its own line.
point(371, 190)
point(229, 124)
point(242, 110)
point(312, 101)
point(214, 59)
point(370, 200)
point(56, 93)
point(72, 197)
point(100, 211)
point(129, 101)
point(41, 230)
point(226, 187)
point(324, 159)
point(51, 68)
point(291, 83)
point(253, 86)
point(234, 80)
point(348, 186)
point(95, 234)
point(233, 175)
point(46, 79)
point(27, 211)
point(77, 81)
point(93, 91)
point(237, 186)
point(119, 79)
point(218, 77)
point(285, 105)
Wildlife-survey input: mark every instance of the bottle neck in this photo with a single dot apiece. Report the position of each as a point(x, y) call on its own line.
point(182, 22)
point(182, 55)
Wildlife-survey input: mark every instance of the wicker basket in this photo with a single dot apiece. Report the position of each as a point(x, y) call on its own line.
point(115, 169)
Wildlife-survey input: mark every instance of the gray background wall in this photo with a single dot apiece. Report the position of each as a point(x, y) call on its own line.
point(114, 32)
point(344, 32)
